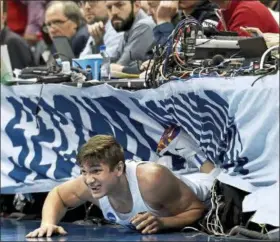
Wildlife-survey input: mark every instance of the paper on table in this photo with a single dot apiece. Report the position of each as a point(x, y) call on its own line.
point(115, 74)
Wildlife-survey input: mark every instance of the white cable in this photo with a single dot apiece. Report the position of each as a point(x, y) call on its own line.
point(213, 223)
point(265, 54)
point(190, 228)
point(161, 71)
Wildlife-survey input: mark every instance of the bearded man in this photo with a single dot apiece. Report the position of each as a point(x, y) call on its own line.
point(100, 28)
point(128, 17)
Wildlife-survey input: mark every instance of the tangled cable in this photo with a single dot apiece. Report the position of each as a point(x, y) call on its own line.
point(174, 59)
point(171, 58)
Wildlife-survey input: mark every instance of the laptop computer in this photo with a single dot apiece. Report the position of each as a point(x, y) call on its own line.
point(63, 48)
point(252, 48)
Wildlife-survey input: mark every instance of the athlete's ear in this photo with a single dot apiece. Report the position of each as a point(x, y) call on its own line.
point(120, 167)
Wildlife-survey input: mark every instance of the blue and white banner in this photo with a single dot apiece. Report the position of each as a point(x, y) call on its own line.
point(42, 127)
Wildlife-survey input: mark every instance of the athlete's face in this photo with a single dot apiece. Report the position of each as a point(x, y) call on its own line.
point(99, 179)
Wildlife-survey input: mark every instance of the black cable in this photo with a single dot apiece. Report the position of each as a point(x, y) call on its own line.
point(171, 65)
point(147, 69)
point(206, 41)
point(248, 233)
point(38, 109)
point(150, 77)
point(264, 75)
point(235, 54)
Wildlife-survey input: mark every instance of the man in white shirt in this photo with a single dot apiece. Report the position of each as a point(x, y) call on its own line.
point(100, 29)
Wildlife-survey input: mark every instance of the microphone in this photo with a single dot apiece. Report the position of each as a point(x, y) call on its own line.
point(215, 61)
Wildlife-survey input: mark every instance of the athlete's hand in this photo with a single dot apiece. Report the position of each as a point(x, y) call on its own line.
point(46, 230)
point(147, 223)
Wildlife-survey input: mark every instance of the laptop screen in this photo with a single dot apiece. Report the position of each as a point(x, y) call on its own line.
point(63, 48)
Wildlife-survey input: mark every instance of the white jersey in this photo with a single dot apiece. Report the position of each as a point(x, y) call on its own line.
point(196, 184)
point(200, 184)
point(139, 205)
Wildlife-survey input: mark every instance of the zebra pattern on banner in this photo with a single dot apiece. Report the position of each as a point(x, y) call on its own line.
point(42, 127)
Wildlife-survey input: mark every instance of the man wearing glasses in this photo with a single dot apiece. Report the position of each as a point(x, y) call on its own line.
point(64, 18)
point(100, 28)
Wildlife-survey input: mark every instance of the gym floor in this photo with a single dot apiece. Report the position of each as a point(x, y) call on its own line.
point(14, 230)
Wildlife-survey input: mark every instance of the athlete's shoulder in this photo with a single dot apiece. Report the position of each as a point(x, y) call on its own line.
point(152, 175)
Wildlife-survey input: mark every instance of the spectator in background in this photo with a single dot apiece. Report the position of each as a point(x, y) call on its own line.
point(152, 11)
point(26, 18)
point(16, 16)
point(166, 15)
point(145, 5)
point(64, 18)
point(94, 11)
point(100, 29)
point(201, 10)
point(35, 20)
point(128, 17)
point(235, 14)
point(19, 51)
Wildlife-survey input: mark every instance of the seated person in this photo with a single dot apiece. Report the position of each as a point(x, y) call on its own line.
point(235, 14)
point(152, 11)
point(128, 17)
point(18, 49)
point(35, 20)
point(165, 12)
point(145, 6)
point(26, 18)
point(64, 18)
point(133, 194)
point(100, 29)
point(17, 16)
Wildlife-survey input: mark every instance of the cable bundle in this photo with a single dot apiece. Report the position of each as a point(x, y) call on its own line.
point(212, 220)
point(172, 58)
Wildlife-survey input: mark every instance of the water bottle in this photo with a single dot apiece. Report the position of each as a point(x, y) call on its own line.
point(105, 72)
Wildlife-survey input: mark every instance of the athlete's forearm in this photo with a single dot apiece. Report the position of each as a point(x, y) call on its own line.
point(54, 208)
point(181, 220)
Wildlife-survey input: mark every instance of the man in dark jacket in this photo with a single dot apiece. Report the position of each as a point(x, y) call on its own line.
point(164, 12)
point(64, 18)
point(19, 51)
